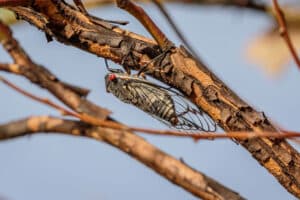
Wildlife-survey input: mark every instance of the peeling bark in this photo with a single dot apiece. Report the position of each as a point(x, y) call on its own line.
point(178, 69)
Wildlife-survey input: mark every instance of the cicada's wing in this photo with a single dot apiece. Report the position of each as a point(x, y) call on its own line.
point(188, 116)
point(152, 99)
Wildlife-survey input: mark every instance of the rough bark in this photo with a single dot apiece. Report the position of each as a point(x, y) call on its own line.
point(74, 97)
point(181, 71)
point(177, 69)
point(174, 170)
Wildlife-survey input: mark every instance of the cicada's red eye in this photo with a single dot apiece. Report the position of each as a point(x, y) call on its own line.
point(112, 77)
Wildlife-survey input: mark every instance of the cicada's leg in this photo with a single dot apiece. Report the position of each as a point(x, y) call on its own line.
point(157, 61)
point(141, 75)
point(129, 57)
point(96, 20)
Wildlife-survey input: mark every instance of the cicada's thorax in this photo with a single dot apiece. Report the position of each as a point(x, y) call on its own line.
point(152, 100)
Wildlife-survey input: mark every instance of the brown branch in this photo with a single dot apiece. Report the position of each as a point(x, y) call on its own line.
point(179, 70)
point(180, 35)
point(178, 61)
point(15, 2)
point(284, 33)
point(242, 4)
point(68, 94)
point(81, 116)
point(229, 135)
point(239, 4)
point(114, 125)
point(185, 177)
point(174, 170)
point(141, 15)
point(38, 99)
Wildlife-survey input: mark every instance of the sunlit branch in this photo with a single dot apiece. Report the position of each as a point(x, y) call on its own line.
point(108, 124)
point(181, 71)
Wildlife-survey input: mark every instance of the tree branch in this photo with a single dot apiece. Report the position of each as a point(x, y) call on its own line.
point(242, 4)
point(180, 35)
point(181, 71)
point(68, 94)
point(114, 125)
point(284, 32)
point(174, 170)
point(15, 2)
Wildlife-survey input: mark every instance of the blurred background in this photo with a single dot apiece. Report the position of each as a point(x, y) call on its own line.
point(237, 44)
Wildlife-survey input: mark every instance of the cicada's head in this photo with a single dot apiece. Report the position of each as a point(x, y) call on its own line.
point(111, 81)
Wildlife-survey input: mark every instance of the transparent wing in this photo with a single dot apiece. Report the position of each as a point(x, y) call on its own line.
point(189, 117)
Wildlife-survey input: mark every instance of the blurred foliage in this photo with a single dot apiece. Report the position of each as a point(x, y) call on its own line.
point(269, 50)
point(7, 16)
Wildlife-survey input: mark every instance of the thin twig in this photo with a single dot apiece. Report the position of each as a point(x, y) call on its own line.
point(195, 81)
point(148, 23)
point(23, 65)
point(181, 36)
point(185, 177)
point(284, 32)
point(172, 169)
point(242, 4)
point(39, 99)
point(82, 116)
point(114, 125)
point(15, 2)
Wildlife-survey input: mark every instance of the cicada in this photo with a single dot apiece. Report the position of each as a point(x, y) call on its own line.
point(162, 103)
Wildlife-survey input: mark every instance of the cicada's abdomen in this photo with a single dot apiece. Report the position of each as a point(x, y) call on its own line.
point(147, 97)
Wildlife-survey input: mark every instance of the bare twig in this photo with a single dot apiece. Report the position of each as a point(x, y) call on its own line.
point(174, 170)
point(68, 94)
point(242, 4)
point(229, 135)
point(180, 70)
point(142, 16)
point(82, 116)
point(181, 36)
point(15, 2)
point(114, 125)
point(81, 7)
point(179, 61)
point(283, 30)
point(185, 177)
point(38, 99)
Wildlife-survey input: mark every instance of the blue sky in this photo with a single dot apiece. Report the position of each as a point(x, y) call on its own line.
point(64, 167)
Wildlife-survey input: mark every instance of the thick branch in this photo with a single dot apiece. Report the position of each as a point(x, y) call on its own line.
point(115, 125)
point(164, 164)
point(205, 188)
point(179, 70)
point(68, 94)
